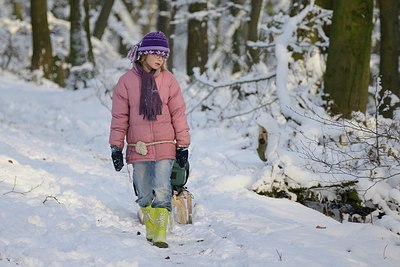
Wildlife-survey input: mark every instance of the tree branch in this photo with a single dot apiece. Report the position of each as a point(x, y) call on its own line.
point(228, 84)
point(22, 193)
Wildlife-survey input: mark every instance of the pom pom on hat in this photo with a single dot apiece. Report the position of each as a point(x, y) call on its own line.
point(152, 43)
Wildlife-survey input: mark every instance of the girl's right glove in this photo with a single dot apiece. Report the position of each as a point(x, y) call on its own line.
point(182, 154)
point(117, 158)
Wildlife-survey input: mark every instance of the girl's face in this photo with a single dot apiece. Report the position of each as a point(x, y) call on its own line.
point(154, 61)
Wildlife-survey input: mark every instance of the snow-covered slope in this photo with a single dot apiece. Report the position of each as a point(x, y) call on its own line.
point(62, 203)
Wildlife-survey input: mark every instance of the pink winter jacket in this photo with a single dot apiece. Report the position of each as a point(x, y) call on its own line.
point(126, 123)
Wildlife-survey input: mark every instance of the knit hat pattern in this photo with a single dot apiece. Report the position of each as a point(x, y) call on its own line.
point(154, 43)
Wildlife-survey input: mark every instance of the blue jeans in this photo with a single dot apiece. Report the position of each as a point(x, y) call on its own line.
point(152, 183)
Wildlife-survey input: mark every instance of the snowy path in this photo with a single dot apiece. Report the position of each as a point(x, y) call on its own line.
point(62, 204)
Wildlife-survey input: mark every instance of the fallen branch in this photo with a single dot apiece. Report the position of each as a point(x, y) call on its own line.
point(51, 197)
point(22, 193)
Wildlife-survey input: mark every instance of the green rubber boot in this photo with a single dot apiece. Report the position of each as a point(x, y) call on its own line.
point(148, 219)
point(160, 227)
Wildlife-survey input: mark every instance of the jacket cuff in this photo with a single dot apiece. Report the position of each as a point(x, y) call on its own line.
point(115, 148)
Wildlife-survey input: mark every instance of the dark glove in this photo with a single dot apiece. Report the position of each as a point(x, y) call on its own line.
point(182, 154)
point(117, 158)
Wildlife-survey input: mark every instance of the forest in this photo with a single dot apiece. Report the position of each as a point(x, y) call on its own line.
point(315, 84)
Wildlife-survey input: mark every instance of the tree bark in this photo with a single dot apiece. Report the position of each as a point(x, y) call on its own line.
point(171, 36)
point(253, 29)
point(90, 54)
point(165, 14)
point(149, 19)
point(239, 38)
point(42, 56)
point(347, 71)
point(17, 9)
point(77, 54)
point(80, 45)
point(197, 50)
point(389, 51)
point(327, 4)
point(102, 20)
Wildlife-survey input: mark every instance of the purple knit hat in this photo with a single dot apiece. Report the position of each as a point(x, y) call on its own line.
point(152, 43)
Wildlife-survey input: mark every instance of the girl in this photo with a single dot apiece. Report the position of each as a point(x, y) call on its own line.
point(148, 110)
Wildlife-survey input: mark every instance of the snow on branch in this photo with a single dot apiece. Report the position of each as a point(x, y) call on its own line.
point(283, 57)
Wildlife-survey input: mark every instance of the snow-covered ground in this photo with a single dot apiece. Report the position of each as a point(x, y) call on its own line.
point(62, 203)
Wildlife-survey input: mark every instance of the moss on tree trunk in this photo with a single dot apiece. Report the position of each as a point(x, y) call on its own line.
point(347, 71)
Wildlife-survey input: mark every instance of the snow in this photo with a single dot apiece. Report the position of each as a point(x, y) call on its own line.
point(62, 203)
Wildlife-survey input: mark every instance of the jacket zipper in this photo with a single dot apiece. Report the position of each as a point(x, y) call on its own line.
point(153, 139)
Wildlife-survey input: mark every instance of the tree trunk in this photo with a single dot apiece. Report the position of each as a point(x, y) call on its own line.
point(327, 4)
point(78, 49)
point(102, 20)
point(347, 71)
point(163, 16)
point(238, 38)
point(147, 21)
point(171, 37)
point(42, 57)
point(197, 50)
point(128, 5)
point(164, 24)
point(253, 30)
point(90, 54)
point(389, 51)
point(17, 9)
point(80, 45)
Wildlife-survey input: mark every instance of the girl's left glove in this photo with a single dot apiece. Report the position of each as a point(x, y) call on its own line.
point(117, 158)
point(182, 154)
